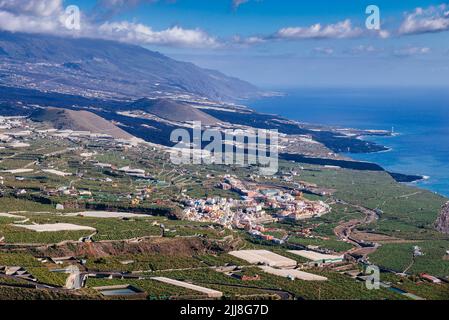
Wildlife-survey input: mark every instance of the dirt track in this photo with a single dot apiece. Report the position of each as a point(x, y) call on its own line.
point(345, 231)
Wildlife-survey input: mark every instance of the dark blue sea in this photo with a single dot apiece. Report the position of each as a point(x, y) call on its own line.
point(420, 117)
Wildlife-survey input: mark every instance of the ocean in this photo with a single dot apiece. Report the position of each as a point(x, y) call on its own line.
point(419, 117)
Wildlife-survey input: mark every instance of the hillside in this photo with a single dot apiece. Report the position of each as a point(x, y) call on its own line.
point(105, 69)
point(173, 110)
point(65, 119)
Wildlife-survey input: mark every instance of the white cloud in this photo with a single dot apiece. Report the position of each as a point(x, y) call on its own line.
point(15, 23)
point(43, 8)
point(432, 19)
point(364, 50)
point(323, 51)
point(48, 16)
point(106, 9)
point(238, 3)
point(142, 34)
point(254, 40)
point(339, 30)
point(32, 16)
point(114, 3)
point(411, 51)
point(384, 34)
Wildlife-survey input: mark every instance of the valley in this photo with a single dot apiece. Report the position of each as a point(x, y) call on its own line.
point(131, 201)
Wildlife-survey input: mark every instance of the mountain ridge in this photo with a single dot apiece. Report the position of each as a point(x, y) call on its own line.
point(105, 68)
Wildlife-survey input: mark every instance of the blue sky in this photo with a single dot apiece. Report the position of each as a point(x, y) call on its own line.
point(272, 43)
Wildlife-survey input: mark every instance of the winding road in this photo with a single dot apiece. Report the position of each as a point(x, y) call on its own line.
point(345, 229)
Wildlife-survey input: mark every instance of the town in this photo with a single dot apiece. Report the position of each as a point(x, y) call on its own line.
point(258, 205)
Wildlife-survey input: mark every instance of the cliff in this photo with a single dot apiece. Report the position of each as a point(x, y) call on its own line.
point(442, 223)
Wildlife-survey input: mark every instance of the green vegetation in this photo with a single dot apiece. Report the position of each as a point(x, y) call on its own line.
point(8, 281)
point(399, 256)
point(17, 293)
point(147, 262)
point(331, 244)
point(20, 235)
point(45, 276)
point(18, 259)
point(154, 290)
point(407, 214)
point(220, 260)
point(337, 286)
point(8, 204)
point(409, 211)
point(418, 287)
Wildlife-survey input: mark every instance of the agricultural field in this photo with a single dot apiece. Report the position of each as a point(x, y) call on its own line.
point(400, 256)
point(154, 290)
point(418, 287)
point(331, 244)
point(145, 262)
point(148, 243)
point(408, 214)
point(20, 293)
point(337, 286)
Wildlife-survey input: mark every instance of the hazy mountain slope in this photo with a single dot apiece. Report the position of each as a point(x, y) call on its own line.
point(65, 119)
point(100, 68)
point(172, 110)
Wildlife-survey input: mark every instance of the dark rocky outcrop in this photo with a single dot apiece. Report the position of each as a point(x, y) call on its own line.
point(442, 223)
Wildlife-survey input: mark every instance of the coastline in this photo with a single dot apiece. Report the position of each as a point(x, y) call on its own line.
point(362, 135)
point(407, 178)
point(353, 165)
point(399, 177)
